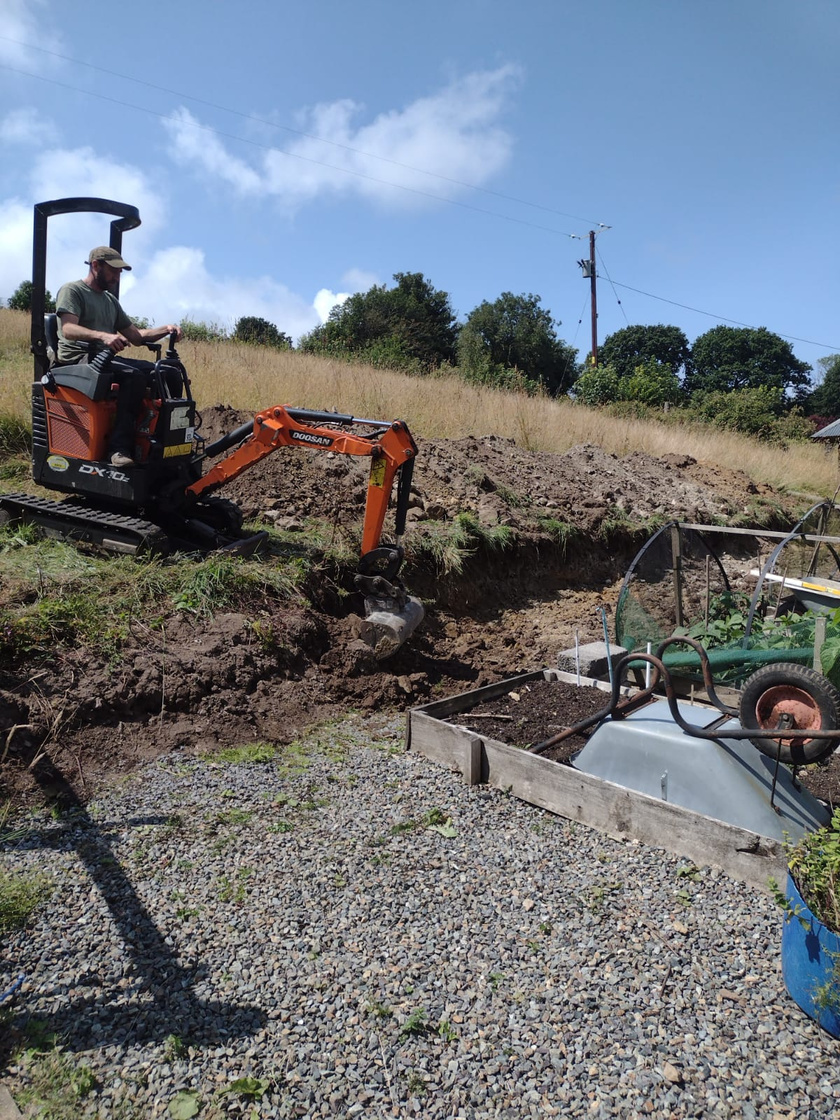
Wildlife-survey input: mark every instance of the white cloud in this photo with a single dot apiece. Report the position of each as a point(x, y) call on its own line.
point(22, 22)
point(326, 300)
point(453, 134)
point(27, 126)
point(165, 283)
point(195, 145)
point(62, 173)
point(175, 284)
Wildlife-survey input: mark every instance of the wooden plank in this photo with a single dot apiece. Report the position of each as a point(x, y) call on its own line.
point(443, 708)
point(615, 810)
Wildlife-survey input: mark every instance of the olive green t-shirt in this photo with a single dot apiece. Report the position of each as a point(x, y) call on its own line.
point(98, 311)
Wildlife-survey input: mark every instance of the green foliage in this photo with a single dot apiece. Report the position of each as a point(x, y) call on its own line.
point(203, 332)
point(15, 435)
point(248, 1088)
point(55, 595)
point(597, 385)
point(514, 336)
point(627, 349)
point(416, 1023)
point(755, 411)
point(653, 383)
point(825, 399)
point(814, 863)
point(184, 1105)
point(250, 752)
point(54, 1085)
point(450, 543)
point(560, 531)
point(260, 332)
point(21, 298)
point(726, 359)
point(411, 326)
point(20, 895)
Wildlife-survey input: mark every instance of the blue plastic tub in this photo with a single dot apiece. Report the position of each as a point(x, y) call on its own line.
point(811, 964)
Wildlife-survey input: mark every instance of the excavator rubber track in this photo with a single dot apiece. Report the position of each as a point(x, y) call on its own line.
point(75, 521)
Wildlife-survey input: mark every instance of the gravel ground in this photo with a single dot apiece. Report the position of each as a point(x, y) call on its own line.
point(360, 934)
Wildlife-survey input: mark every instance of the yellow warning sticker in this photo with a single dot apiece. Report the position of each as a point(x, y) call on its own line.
point(177, 449)
point(377, 472)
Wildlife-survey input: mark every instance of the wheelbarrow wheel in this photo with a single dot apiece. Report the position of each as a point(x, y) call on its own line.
point(790, 696)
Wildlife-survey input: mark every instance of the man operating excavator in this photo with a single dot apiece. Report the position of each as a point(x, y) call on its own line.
point(90, 318)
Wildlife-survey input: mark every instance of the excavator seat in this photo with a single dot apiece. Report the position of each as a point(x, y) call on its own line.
point(90, 382)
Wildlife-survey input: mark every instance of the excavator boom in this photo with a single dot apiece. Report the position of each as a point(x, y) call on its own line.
point(390, 447)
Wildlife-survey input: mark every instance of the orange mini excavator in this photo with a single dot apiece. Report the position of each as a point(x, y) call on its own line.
point(166, 499)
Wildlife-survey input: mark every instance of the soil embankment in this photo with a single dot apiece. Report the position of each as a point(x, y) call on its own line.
point(555, 535)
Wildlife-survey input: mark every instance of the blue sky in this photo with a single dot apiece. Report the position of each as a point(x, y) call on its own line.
point(282, 154)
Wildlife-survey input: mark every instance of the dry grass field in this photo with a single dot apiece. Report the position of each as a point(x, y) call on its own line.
point(444, 407)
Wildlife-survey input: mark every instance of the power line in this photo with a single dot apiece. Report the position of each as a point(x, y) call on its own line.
point(615, 293)
point(722, 318)
point(293, 131)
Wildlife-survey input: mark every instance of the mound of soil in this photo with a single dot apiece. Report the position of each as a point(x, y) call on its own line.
point(199, 682)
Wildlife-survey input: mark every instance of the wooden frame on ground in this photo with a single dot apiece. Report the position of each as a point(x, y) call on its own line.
point(619, 812)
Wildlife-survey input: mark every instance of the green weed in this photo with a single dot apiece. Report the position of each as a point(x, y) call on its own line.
point(54, 1086)
point(561, 532)
point(20, 895)
point(174, 1048)
point(417, 1023)
point(248, 752)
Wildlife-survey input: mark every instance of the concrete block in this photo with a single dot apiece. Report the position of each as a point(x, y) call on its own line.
point(594, 658)
point(8, 1109)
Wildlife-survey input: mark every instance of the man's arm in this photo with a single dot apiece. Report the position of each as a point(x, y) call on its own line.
point(129, 336)
point(73, 331)
point(141, 337)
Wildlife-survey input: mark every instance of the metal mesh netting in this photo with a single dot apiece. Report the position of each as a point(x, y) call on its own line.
point(654, 602)
point(749, 599)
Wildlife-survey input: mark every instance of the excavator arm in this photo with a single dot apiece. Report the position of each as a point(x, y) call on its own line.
point(391, 615)
point(390, 448)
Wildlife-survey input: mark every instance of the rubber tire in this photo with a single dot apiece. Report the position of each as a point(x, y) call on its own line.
point(820, 692)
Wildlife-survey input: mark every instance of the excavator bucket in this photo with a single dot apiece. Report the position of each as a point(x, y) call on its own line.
point(389, 623)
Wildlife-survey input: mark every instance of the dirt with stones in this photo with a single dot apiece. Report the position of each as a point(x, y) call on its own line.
point(204, 681)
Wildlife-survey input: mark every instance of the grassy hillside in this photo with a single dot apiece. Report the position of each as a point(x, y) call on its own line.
point(437, 407)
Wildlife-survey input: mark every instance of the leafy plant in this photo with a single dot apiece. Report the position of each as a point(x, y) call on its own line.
point(249, 1088)
point(814, 863)
point(416, 1023)
point(184, 1105)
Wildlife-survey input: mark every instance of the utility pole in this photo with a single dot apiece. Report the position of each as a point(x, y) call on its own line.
point(594, 299)
point(588, 269)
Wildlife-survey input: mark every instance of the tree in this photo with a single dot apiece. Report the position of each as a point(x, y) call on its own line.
point(631, 347)
point(597, 385)
point(515, 333)
point(411, 326)
point(754, 410)
point(825, 399)
point(21, 298)
point(653, 383)
point(259, 332)
point(728, 358)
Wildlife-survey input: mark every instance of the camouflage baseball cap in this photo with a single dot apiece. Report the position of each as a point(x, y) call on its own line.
point(109, 256)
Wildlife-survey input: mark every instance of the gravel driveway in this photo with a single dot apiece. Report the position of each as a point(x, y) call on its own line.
point(348, 930)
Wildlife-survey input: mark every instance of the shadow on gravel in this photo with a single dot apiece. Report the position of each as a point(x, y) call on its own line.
point(158, 1000)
